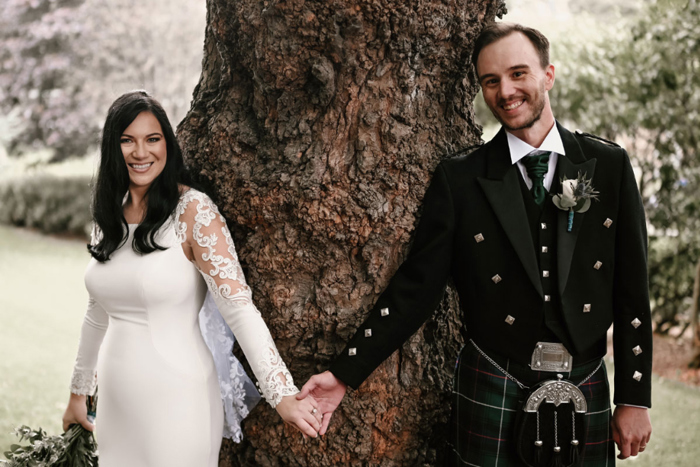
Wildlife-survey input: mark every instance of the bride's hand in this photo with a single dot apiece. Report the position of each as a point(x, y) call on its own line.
point(303, 414)
point(76, 412)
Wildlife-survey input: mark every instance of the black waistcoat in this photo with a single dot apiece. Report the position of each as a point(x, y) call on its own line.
point(542, 222)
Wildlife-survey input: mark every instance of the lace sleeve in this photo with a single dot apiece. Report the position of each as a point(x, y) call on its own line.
point(201, 225)
point(95, 323)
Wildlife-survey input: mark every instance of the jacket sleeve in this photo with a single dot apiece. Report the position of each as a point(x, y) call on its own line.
point(413, 293)
point(632, 334)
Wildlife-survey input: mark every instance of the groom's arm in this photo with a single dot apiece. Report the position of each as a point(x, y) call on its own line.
point(413, 293)
point(632, 333)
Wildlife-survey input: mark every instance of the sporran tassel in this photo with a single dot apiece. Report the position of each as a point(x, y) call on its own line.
point(574, 454)
point(538, 444)
point(538, 453)
point(575, 445)
point(556, 457)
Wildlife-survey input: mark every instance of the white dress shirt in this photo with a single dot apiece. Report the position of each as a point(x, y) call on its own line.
point(552, 143)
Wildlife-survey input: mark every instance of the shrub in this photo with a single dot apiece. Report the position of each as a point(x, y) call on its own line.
point(55, 205)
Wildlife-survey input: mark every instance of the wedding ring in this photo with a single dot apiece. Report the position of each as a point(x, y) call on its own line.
point(314, 411)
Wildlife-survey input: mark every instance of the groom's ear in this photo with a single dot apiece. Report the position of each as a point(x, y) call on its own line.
point(549, 77)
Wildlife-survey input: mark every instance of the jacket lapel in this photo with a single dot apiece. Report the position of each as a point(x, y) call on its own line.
point(502, 189)
point(569, 166)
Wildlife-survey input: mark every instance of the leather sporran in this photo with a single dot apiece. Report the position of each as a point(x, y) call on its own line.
point(550, 426)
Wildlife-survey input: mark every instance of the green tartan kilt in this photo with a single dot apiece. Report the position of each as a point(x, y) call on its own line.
point(485, 403)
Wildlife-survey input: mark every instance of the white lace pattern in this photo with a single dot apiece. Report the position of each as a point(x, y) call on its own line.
point(224, 277)
point(83, 382)
point(238, 392)
point(84, 379)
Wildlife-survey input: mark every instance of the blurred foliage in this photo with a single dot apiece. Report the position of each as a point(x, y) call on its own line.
point(55, 205)
point(642, 88)
point(74, 448)
point(63, 62)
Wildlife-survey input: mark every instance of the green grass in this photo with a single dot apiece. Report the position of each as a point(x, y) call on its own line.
point(42, 302)
point(675, 418)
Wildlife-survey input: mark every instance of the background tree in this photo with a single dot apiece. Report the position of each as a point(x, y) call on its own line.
point(632, 86)
point(317, 126)
point(63, 62)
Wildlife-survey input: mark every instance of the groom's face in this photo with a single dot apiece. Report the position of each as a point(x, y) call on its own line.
point(513, 81)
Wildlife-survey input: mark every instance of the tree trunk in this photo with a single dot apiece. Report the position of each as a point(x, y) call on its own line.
point(694, 325)
point(317, 125)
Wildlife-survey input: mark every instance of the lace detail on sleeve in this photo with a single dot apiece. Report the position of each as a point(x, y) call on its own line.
point(83, 382)
point(218, 263)
point(84, 379)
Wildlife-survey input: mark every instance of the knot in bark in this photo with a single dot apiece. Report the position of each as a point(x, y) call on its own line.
point(324, 74)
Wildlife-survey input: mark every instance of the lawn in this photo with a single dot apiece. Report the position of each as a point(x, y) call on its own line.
point(42, 302)
point(675, 417)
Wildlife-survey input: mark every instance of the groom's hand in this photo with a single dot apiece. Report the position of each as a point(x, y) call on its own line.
point(328, 392)
point(631, 429)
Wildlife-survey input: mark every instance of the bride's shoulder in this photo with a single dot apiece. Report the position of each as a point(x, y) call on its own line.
point(193, 201)
point(189, 194)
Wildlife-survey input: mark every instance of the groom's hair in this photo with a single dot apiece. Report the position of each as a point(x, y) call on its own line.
point(497, 31)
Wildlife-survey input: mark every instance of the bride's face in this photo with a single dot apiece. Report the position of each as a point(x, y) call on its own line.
point(144, 149)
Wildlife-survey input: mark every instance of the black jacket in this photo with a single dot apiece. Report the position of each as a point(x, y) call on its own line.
point(480, 194)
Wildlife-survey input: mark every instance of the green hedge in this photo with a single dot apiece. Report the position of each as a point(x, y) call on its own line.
point(55, 205)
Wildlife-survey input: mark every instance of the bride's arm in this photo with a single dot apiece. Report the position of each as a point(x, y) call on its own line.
point(84, 377)
point(84, 380)
point(206, 234)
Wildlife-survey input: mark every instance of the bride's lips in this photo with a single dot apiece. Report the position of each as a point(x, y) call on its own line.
point(141, 168)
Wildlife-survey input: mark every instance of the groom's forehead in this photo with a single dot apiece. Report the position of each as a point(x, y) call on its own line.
point(507, 52)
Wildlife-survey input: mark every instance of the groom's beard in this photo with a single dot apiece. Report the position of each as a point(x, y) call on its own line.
point(538, 102)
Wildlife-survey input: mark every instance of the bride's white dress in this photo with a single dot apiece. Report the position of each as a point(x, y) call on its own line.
point(160, 402)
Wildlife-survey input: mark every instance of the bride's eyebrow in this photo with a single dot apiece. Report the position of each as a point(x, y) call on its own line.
point(124, 135)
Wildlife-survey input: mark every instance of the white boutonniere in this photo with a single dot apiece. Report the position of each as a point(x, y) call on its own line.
point(576, 196)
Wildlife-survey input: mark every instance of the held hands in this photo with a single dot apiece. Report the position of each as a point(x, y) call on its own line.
point(631, 428)
point(303, 413)
point(327, 391)
point(76, 412)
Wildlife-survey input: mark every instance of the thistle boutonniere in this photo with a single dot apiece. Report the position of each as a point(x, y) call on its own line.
point(576, 196)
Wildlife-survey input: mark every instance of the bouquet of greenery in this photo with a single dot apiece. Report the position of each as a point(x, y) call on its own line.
point(74, 448)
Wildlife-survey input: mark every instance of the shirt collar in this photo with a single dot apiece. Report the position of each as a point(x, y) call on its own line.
point(519, 148)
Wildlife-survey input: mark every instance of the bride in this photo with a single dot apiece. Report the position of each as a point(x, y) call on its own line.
point(158, 247)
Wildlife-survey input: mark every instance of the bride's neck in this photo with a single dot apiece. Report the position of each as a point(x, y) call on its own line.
point(135, 206)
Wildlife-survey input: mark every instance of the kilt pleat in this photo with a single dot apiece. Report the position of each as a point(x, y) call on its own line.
point(485, 403)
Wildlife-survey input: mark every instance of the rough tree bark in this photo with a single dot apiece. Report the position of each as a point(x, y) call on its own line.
point(317, 125)
point(694, 326)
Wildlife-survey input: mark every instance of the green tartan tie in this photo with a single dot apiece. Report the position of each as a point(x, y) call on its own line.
point(537, 163)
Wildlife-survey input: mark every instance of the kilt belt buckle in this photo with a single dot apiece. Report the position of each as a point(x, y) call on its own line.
point(551, 356)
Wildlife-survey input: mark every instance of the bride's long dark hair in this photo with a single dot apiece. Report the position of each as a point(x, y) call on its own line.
point(113, 180)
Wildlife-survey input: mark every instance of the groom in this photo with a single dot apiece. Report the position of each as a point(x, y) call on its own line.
point(538, 288)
